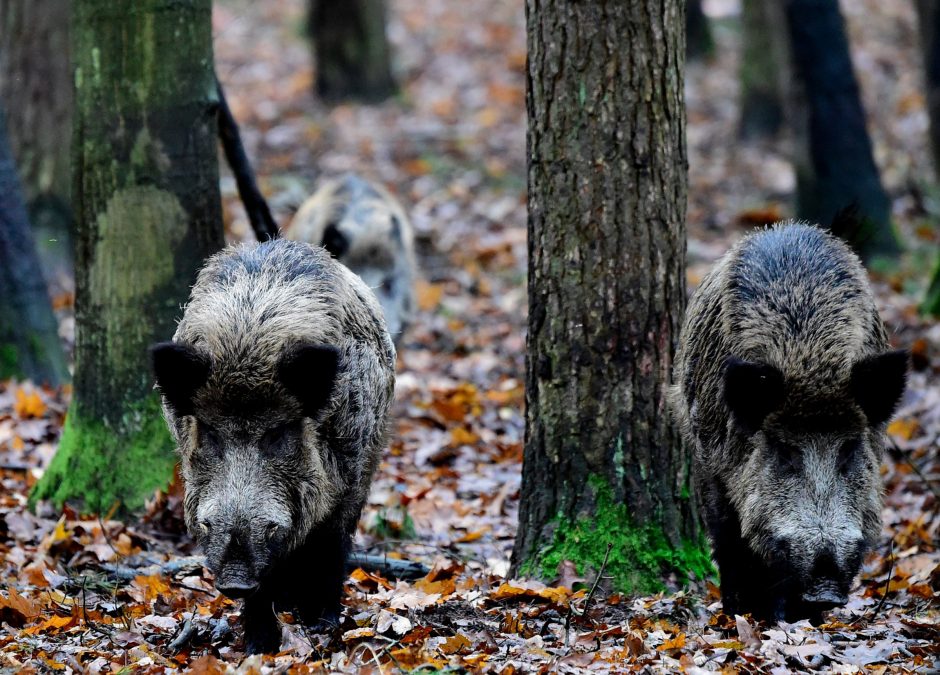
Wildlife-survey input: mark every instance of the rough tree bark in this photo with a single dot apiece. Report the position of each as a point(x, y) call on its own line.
point(36, 90)
point(764, 68)
point(148, 211)
point(834, 163)
point(29, 337)
point(607, 199)
point(351, 51)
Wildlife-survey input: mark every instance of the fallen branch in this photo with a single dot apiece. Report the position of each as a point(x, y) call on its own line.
point(390, 568)
point(189, 631)
point(256, 206)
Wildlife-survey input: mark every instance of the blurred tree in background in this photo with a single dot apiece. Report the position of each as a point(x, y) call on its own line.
point(928, 14)
point(148, 211)
point(698, 33)
point(36, 91)
point(351, 50)
point(765, 68)
point(29, 335)
point(834, 163)
point(603, 464)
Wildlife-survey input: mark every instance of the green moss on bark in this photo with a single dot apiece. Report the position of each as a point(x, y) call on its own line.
point(108, 465)
point(641, 555)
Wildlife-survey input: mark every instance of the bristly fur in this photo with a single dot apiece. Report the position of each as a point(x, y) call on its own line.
point(366, 229)
point(766, 392)
point(282, 435)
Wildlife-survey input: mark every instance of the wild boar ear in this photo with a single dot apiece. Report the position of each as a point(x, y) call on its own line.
point(309, 373)
point(179, 370)
point(878, 383)
point(751, 391)
point(334, 241)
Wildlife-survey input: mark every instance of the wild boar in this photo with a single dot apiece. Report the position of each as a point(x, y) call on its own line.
point(366, 229)
point(277, 387)
point(783, 387)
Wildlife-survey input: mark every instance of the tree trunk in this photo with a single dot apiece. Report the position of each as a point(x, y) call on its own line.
point(29, 335)
point(764, 68)
point(834, 163)
point(351, 50)
point(928, 16)
point(607, 199)
point(698, 33)
point(148, 211)
point(36, 90)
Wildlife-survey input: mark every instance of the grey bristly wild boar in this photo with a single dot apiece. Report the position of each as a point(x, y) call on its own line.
point(783, 387)
point(277, 387)
point(366, 229)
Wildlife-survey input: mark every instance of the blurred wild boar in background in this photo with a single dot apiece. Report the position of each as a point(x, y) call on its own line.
point(366, 229)
point(277, 386)
point(783, 387)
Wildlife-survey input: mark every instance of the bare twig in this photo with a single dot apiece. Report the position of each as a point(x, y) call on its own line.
point(906, 457)
point(587, 601)
point(884, 597)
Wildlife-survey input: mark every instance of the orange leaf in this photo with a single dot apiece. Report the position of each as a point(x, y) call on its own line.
point(462, 436)
point(28, 405)
point(445, 586)
point(206, 665)
point(53, 624)
point(678, 642)
point(17, 610)
point(429, 295)
point(472, 536)
point(455, 644)
point(904, 428)
point(152, 585)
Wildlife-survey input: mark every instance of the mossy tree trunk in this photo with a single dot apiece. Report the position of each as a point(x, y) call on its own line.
point(146, 195)
point(607, 200)
point(764, 69)
point(351, 50)
point(835, 167)
point(29, 337)
point(699, 42)
point(36, 90)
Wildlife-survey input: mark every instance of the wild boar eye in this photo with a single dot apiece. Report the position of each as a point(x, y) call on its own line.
point(790, 457)
point(847, 452)
point(209, 438)
point(278, 439)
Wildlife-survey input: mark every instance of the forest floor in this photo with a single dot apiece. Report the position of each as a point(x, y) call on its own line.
point(98, 595)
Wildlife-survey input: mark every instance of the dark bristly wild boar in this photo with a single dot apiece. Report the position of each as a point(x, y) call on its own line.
point(277, 386)
point(366, 229)
point(783, 387)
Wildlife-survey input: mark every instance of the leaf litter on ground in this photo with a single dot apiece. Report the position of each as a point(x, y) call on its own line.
point(95, 595)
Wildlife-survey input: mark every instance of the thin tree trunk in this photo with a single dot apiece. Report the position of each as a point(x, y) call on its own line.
point(764, 68)
point(835, 167)
point(29, 337)
point(607, 199)
point(698, 33)
point(36, 90)
point(928, 16)
point(146, 194)
point(351, 50)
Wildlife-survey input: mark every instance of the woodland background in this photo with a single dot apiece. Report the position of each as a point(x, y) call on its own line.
point(101, 595)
